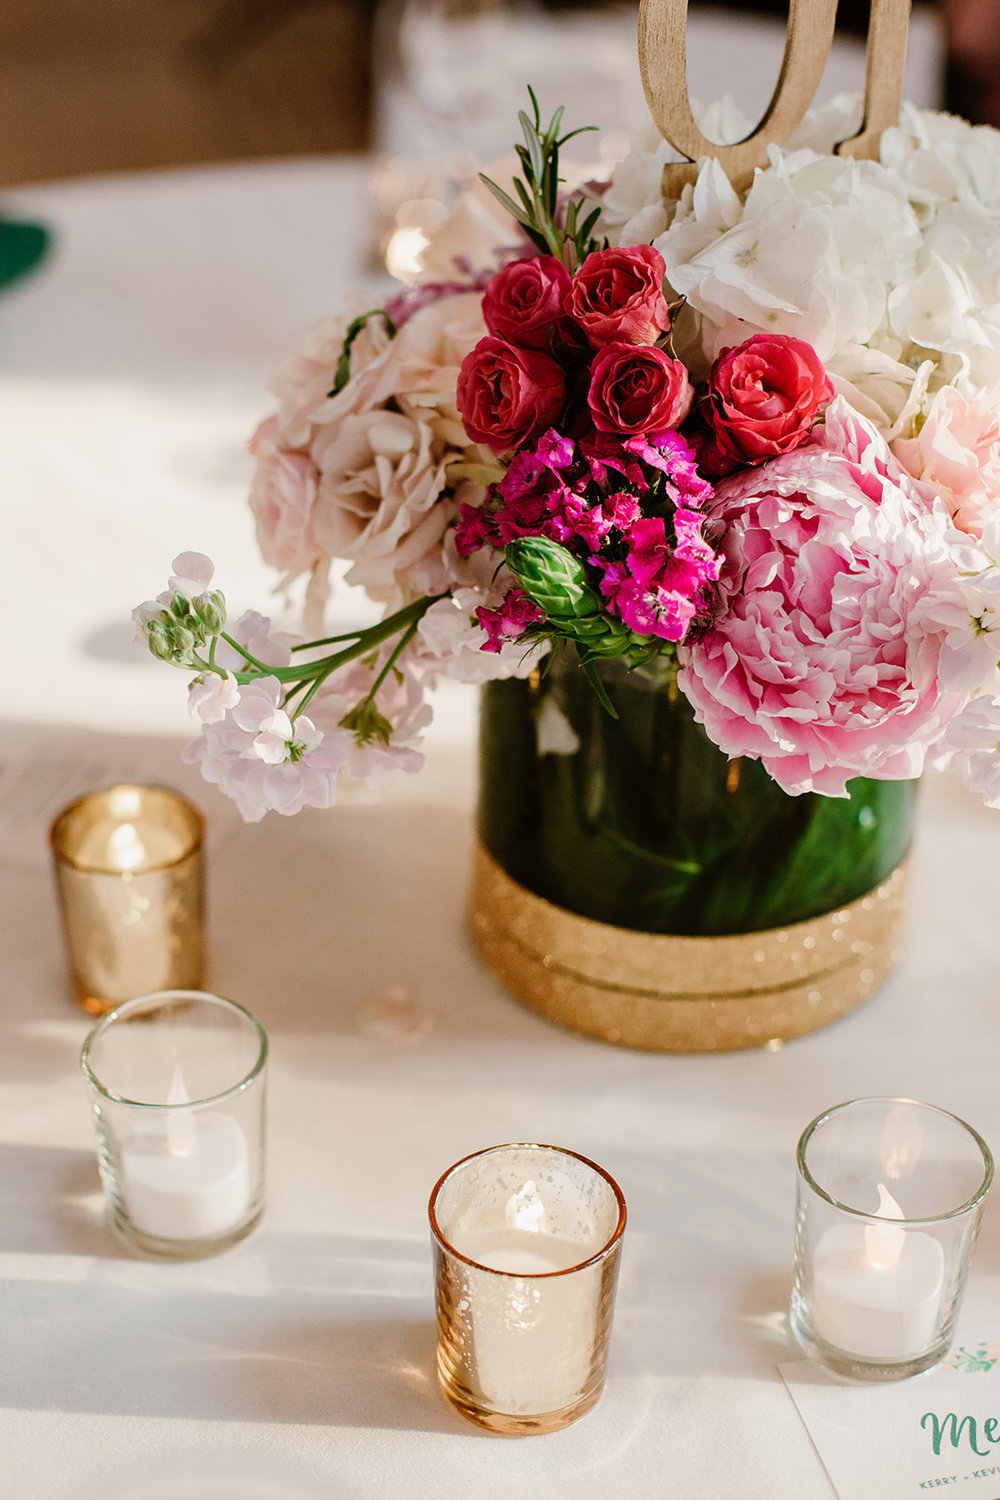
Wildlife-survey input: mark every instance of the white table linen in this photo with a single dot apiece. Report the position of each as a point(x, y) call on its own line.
point(300, 1366)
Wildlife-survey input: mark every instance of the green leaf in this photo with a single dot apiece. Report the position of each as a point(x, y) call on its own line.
point(589, 671)
point(580, 130)
point(533, 145)
point(343, 371)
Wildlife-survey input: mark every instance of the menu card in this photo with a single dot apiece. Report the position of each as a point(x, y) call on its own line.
point(936, 1433)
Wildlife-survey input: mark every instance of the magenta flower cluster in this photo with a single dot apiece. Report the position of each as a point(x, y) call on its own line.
point(628, 507)
point(575, 387)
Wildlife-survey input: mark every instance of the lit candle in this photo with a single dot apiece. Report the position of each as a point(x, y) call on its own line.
point(185, 1175)
point(533, 1332)
point(877, 1287)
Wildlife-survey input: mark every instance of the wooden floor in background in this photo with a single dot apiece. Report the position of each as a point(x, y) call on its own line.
point(107, 85)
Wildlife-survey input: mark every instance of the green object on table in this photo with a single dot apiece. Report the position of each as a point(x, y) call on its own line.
point(22, 247)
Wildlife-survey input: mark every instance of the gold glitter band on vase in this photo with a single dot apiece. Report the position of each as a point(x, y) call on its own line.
point(684, 994)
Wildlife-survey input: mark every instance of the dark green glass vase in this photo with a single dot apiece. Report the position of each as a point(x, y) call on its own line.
point(639, 822)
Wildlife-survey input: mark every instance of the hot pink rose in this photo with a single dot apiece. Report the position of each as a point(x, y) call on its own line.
point(508, 395)
point(638, 389)
point(825, 662)
point(525, 300)
point(617, 296)
point(957, 451)
point(283, 501)
point(764, 397)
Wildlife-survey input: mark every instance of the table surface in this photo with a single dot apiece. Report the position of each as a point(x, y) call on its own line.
point(300, 1366)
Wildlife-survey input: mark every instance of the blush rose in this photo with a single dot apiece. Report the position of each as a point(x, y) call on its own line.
point(617, 296)
point(507, 395)
point(763, 398)
point(638, 389)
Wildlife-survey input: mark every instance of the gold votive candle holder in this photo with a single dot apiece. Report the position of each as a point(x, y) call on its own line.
point(129, 872)
point(527, 1241)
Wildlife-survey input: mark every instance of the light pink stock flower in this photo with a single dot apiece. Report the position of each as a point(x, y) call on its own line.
point(210, 697)
point(957, 451)
point(824, 664)
point(253, 630)
point(399, 700)
point(264, 761)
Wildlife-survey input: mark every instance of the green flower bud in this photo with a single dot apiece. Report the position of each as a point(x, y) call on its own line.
point(552, 577)
point(182, 644)
point(158, 640)
point(210, 610)
point(367, 724)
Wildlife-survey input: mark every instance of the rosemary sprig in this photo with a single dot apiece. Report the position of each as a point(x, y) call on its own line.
point(553, 228)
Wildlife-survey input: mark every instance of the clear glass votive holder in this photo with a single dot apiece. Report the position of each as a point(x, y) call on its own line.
point(526, 1249)
point(890, 1195)
point(178, 1089)
point(130, 880)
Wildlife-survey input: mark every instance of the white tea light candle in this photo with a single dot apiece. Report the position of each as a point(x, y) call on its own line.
point(877, 1288)
point(526, 1245)
point(196, 1193)
point(533, 1339)
point(177, 1083)
point(879, 1274)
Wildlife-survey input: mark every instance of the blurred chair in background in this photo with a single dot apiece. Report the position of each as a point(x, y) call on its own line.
point(109, 85)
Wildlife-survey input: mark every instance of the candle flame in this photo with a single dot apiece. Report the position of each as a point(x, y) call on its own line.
point(181, 1127)
point(884, 1243)
point(525, 1210)
point(126, 847)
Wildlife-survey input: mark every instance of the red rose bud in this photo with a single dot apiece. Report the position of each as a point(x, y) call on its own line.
point(507, 395)
point(617, 296)
point(638, 389)
point(764, 397)
point(524, 301)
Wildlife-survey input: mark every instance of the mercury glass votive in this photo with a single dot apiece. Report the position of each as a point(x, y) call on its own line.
point(177, 1085)
point(526, 1246)
point(130, 880)
point(890, 1196)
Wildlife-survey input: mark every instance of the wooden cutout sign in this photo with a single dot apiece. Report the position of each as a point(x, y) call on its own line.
point(811, 23)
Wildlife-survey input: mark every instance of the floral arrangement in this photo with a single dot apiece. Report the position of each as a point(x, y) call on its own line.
point(757, 434)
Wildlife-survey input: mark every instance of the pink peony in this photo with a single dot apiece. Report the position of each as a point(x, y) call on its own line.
point(617, 296)
point(824, 663)
point(957, 452)
point(638, 389)
point(507, 396)
point(763, 398)
point(283, 501)
point(524, 301)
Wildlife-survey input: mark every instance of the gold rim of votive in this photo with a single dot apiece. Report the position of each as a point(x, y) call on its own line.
point(858, 1213)
point(613, 1239)
point(163, 998)
point(191, 818)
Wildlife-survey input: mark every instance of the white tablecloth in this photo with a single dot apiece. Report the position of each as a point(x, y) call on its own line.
point(300, 1366)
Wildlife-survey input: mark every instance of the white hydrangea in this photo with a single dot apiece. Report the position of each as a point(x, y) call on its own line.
point(890, 269)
